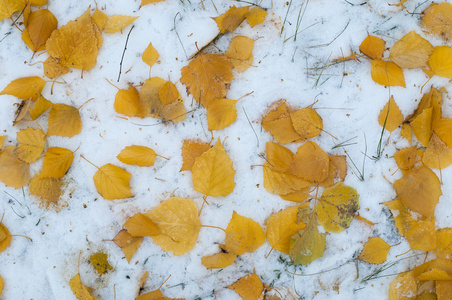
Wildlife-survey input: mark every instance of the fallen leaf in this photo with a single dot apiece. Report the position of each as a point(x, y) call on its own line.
point(403, 287)
point(298, 196)
point(308, 244)
point(207, 77)
point(75, 44)
point(64, 120)
point(231, 19)
point(279, 123)
point(437, 155)
point(25, 88)
point(422, 126)
point(41, 24)
point(37, 2)
point(403, 217)
point(192, 149)
point(212, 172)
point(53, 68)
point(145, 2)
point(255, 16)
point(221, 113)
point(406, 132)
point(99, 18)
point(390, 116)
point(443, 289)
point(22, 110)
point(337, 207)
point(2, 139)
point(276, 182)
point(437, 20)
point(243, 235)
point(99, 261)
point(249, 287)
point(240, 47)
point(281, 226)
point(57, 162)
point(138, 155)
point(40, 107)
point(13, 171)
point(306, 122)
point(437, 269)
point(141, 225)
point(179, 223)
point(218, 261)
point(411, 51)
point(127, 102)
point(31, 144)
point(279, 157)
point(443, 243)
point(373, 47)
point(5, 237)
point(422, 236)
point(375, 251)
point(419, 190)
point(440, 61)
point(150, 55)
point(117, 23)
point(408, 158)
point(128, 243)
point(337, 170)
point(387, 73)
point(8, 7)
point(82, 292)
point(112, 182)
point(310, 163)
point(1, 285)
point(48, 189)
point(444, 130)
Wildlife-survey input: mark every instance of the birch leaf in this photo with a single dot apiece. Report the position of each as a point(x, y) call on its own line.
point(112, 182)
point(306, 122)
point(127, 102)
point(444, 130)
point(192, 149)
point(218, 261)
point(5, 237)
point(8, 7)
point(99, 18)
point(82, 292)
point(64, 120)
point(117, 23)
point(243, 235)
point(387, 73)
point(440, 61)
point(57, 162)
point(390, 116)
point(231, 19)
point(373, 47)
point(41, 106)
point(13, 171)
point(375, 251)
point(128, 243)
point(411, 51)
point(255, 16)
point(276, 182)
point(150, 55)
point(48, 189)
point(437, 155)
point(249, 287)
point(41, 24)
point(221, 113)
point(137, 155)
point(310, 163)
point(279, 123)
point(140, 225)
point(437, 20)
point(31, 144)
point(25, 88)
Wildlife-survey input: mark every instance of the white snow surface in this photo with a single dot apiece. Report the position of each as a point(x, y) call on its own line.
point(282, 69)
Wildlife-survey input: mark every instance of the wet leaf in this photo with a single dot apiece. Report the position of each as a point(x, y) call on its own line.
point(249, 287)
point(112, 182)
point(13, 171)
point(231, 19)
point(99, 261)
point(25, 88)
point(373, 47)
point(31, 144)
point(138, 155)
point(128, 243)
point(437, 20)
point(411, 51)
point(218, 261)
point(387, 73)
point(64, 120)
point(243, 235)
point(117, 23)
point(375, 251)
point(192, 149)
point(141, 225)
point(390, 116)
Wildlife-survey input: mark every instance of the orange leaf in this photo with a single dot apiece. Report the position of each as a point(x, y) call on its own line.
point(8, 7)
point(375, 251)
point(57, 162)
point(231, 19)
point(127, 243)
point(243, 235)
point(221, 113)
point(64, 120)
point(249, 287)
point(440, 61)
point(387, 73)
point(279, 123)
point(112, 182)
point(255, 16)
point(127, 102)
point(373, 47)
point(192, 149)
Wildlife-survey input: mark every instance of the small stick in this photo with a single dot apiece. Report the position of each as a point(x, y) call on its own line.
point(125, 48)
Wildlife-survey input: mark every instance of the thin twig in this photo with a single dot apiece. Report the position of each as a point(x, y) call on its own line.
point(249, 122)
point(175, 30)
point(325, 45)
point(125, 48)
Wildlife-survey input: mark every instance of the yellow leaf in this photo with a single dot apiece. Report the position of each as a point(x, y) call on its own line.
point(140, 225)
point(444, 130)
point(212, 172)
point(443, 243)
point(404, 287)
point(241, 65)
point(41, 106)
point(221, 113)
point(437, 20)
point(249, 287)
point(373, 47)
point(306, 122)
point(422, 126)
point(276, 182)
point(279, 123)
point(337, 170)
point(112, 182)
point(127, 243)
point(279, 157)
point(41, 24)
point(419, 190)
point(150, 55)
point(390, 116)
point(310, 163)
point(218, 261)
point(127, 102)
point(437, 155)
point(2, 139)
point(8, 7)
point(440, 61)
point(117, 23)
point(192, 149)
point(403, 218)
point(54, 68)
point(179, 223)
point(25, 88)
point(13, 171)
point(99, 18)
point(243, 235)
point(57, 162)
point(422, 236)
point(75, 44)
point(1, 285)
point(387, 73)
point(308, 244)
point(82, 292)
point(64, 120)
point(22, 110)
point(406, 132)
point(99, 261)
point(27, 40)
point(255, 16)
point(375, 251)
point(437, 269)
point(408, 158)
point(38, 2)
point(231, 19)
point(337, 207)
point(31, 144)
point(411, 51)
point(443, 289)
point(5, 237)
point(240, 47)
point(298, 196)
point(137, 155)
point(207, 77)
point(145, 2)
point(282, 225)
point(48, 189)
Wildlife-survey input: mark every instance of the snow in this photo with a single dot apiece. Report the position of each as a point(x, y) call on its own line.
point(282, 69)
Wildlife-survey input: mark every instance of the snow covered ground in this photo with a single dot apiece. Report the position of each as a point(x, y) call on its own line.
point(347, 99)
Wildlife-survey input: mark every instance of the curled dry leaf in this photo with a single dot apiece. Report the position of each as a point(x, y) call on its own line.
point(375, 251)
point(213, 173)
point(64, 120)
point(57, 162)
point(25, 88)
point(112, 182)
point(31, 144)
point(218, 261)
point(249, 287)
point(437, 20)
point(243, 235)
point(373, 47)
point(231, 19)
point(13, 171)
point(138, 155)
point(128, 243)
point(390, 116)
point(179, 223)
point(192, 149)
point(140, 225)
point(440, 61)
point(387, 73)
point(411, 51)
point(117, 23)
